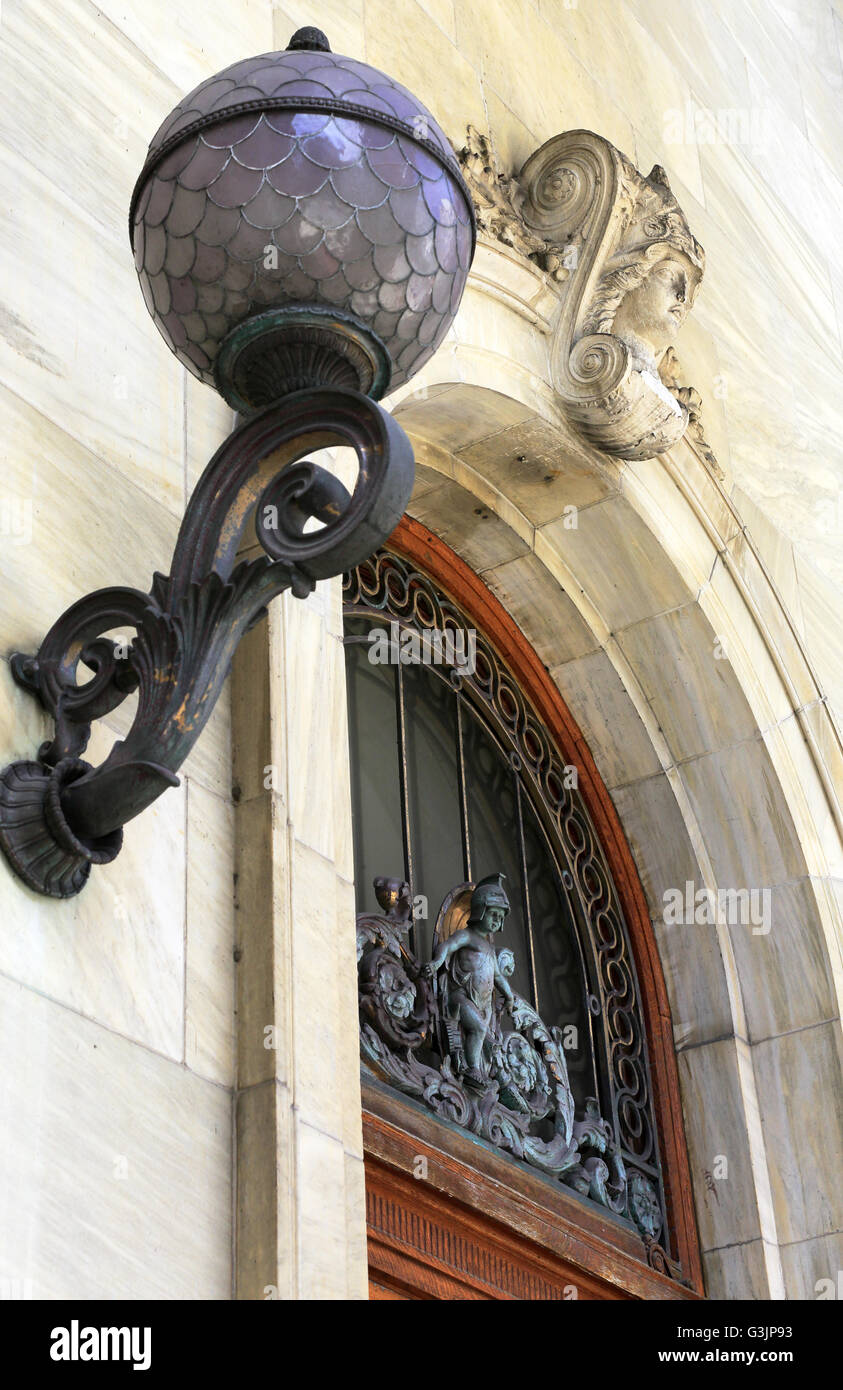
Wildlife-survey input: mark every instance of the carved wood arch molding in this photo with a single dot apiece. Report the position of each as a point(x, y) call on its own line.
point(627, 268)
point(414, 542)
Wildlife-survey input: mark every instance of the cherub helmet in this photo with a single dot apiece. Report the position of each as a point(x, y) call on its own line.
point(489, 892)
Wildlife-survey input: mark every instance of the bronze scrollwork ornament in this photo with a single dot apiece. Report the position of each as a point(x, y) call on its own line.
point(59, 815)
point(302, 235)
point(451, 1033)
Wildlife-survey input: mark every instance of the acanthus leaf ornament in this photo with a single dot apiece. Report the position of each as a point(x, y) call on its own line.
point(670, 371)
point(498, 205)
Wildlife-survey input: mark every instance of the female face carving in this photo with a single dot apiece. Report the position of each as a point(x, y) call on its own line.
point(654, 311)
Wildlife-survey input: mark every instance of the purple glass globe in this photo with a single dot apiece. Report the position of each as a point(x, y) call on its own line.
point(301, 219)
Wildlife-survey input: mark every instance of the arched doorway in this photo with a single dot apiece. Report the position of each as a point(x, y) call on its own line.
point(657, 622)
point(456, 765)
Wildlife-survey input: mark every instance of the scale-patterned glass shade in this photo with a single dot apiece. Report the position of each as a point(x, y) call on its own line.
point(302, 178)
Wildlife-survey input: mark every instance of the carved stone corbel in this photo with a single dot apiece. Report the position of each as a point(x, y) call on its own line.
point(636, 270)
point(628, 269)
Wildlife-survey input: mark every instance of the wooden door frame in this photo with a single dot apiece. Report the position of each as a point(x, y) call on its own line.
point(447, 1217)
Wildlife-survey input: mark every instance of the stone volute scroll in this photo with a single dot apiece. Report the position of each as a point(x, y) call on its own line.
point(628, 269)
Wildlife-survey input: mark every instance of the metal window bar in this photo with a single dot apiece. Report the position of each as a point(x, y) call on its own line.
point(463, 789)
point(525, 890)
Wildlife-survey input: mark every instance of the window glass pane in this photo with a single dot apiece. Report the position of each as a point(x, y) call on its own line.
point(375, 784)
point(433, 786)
point(559, 975)
point(493, 837)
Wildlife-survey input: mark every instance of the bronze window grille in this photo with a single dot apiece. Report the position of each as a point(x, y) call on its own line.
point(566, 922)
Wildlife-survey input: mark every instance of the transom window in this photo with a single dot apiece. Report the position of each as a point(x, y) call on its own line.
point(455, 779)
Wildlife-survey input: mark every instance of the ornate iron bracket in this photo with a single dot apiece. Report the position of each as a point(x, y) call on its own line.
point(58, 814)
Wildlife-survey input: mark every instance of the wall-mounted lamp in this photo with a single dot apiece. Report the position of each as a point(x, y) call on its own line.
point(302, 235)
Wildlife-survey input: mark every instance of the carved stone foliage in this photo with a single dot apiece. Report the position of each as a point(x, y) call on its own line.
point(498, 202)
point(632, 269)
point(453, 1034)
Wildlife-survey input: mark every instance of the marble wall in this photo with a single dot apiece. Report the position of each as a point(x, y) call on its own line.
point(119, 1055)
point(740, 101)
point(117, 1017)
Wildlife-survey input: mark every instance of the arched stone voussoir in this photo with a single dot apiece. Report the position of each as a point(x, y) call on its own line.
point(656, 621)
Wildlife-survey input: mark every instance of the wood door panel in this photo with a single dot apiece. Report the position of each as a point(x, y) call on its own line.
point(423, 1245)
point(477, 1228)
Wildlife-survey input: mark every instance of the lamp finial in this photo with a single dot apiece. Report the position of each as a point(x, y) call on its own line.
point(309, 38)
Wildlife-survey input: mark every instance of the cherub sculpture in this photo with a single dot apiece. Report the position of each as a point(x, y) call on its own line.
point(438, 1032)
point(466, 990)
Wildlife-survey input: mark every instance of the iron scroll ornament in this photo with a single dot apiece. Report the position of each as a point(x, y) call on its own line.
point(436, 1031)
point(58, 814)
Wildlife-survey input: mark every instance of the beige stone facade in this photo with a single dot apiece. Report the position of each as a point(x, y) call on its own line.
point(156, 1147)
